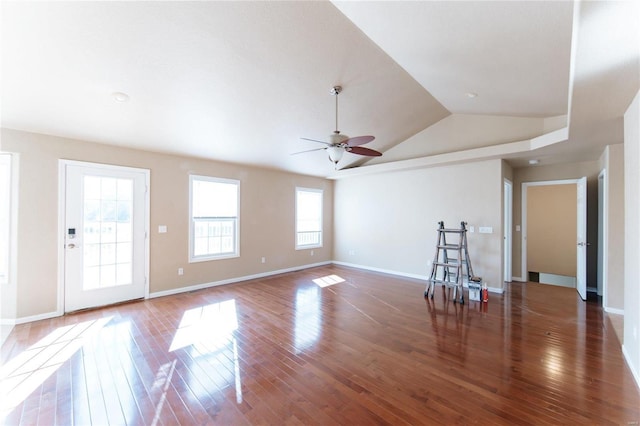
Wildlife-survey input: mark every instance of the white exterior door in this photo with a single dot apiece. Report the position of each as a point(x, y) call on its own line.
point(581, 273)
point(105, 226)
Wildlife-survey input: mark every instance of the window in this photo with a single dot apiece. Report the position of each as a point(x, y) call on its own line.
point(214, 218)
point(308, 218)
point(5, 216)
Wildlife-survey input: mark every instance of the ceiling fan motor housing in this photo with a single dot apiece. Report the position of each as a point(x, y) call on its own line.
point(336, 138)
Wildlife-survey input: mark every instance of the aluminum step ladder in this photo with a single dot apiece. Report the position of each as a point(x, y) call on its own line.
point(451, 263)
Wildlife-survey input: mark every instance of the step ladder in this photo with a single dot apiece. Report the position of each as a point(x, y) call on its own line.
point(451, 263)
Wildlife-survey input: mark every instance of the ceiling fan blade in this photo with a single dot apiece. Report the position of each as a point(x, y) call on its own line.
point(359, 140)
point(314, 140)
point(309, 150)
point(360, 150)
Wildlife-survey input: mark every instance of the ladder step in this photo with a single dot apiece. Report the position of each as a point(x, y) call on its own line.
point(447, 283)
point(457, 231)
point(450, 246)
point(452, 263)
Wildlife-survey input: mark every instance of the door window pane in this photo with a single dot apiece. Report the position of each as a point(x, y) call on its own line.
point(107, 232)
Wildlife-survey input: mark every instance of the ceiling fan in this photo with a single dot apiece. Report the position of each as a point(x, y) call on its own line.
point(339, 144)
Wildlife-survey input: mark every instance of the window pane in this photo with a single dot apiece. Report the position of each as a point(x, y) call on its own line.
point(214, 217)
point(214, 199)
point(308, 217)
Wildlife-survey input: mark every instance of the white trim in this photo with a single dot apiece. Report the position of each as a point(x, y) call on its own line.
point(7, 321)
point(613, 310)
point(518, 279)
point(475, 154)
point(62, 197)
point(523, 236)
point(62, 165)
point(632, 367)
point(605, 225)
point(507, 230)
point(401, 274)
point(39, 317)
point(421, 277)
point(234, 280)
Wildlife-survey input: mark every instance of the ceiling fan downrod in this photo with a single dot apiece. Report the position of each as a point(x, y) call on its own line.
point(335, 91)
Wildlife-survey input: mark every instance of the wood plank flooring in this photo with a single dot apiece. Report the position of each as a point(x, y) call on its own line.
point(368, 349)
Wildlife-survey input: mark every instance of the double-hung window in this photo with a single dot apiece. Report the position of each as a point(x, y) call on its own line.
point(214, 221)
point(308, 218)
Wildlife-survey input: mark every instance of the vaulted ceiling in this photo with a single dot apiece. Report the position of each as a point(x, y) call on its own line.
point(244, 81)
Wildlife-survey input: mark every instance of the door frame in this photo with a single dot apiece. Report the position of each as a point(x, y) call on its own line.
point(603, 223)
point(508, 230)
point(523, 236)
point(62, 196)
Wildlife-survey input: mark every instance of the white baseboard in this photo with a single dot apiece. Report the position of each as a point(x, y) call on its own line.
point(613, 310)
point(518, 279)
point(384, 271)
point(558, 280)
point(403, 274)
point(233, 280)
point(632, 367)
point(32, 318)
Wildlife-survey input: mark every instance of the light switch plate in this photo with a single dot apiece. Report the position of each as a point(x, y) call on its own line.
point(485, 230)
point(162, 229)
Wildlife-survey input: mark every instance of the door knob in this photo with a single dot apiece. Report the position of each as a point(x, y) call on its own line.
point(71, 246)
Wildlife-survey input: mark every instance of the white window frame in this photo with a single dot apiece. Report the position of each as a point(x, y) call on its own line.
point(236, 242)
point(309, 246)
point(7, 213)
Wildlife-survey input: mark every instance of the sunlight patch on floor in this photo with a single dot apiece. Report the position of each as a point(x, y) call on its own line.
point(328, 280)
point(24, 373)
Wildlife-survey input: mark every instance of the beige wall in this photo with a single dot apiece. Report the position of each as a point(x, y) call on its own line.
point(388, 221)
point(612, 160)
point(551, 244)
point(631, 345)
point(590, 169)
point(266, 217)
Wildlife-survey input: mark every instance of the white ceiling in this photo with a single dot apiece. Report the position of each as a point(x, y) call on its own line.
point(243, 81)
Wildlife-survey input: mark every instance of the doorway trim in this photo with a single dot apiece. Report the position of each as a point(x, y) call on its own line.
point(603, 245)
point(62, 189)
point(508, 230)
point(523, 243)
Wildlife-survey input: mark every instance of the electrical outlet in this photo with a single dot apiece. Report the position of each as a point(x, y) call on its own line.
point(180, 271)
point(352, 252)
point(472, 229)
point(264, 260)
point(162, 229)
point(311, 253)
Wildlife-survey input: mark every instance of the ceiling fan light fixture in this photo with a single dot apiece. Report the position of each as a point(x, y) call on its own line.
point(335, 153)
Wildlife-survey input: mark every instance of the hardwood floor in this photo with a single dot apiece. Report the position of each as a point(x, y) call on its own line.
point(284, 350)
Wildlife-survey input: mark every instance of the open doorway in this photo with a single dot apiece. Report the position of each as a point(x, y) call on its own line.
point(554, 245)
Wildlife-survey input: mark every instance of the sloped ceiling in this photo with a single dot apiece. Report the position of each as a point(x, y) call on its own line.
point(244, 81)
